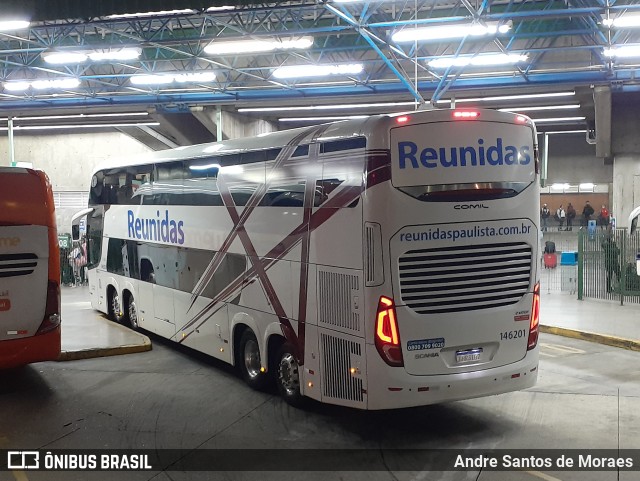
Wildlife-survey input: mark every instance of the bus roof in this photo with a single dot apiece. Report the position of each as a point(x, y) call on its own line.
point(25, 197)
point(369, 126)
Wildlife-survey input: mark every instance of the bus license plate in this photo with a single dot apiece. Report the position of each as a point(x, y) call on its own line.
point(469, 355)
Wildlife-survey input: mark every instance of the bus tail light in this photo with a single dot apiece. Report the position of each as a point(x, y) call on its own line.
point(52, 311)
point(466, 114)
point(535, 318)
point(387, 338)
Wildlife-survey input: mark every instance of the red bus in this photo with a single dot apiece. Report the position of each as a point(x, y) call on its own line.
point(29, 269)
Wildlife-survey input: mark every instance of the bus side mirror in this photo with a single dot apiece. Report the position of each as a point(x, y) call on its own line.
point(633, 220)
point(79, 223)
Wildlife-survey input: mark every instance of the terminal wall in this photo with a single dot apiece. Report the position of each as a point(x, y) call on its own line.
point(572, 160)
point(69, 160)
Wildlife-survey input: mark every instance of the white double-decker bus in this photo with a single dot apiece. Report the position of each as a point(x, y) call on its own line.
point(378, 263)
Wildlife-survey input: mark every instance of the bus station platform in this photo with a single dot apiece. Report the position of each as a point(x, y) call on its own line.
point(87, 333)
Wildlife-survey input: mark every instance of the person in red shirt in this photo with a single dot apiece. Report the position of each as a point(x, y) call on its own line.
point(604, 217)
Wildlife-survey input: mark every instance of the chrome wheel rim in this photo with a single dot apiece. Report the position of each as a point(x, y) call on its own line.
point(252, 358)
point(288, 374)
point(133, 314)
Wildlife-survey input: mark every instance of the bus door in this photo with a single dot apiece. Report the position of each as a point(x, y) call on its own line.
point(158, 278)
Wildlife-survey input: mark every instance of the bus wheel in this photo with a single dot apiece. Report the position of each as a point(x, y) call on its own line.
point(250, 362)
point(115, 309)
point(288, 376)
point(132, 313)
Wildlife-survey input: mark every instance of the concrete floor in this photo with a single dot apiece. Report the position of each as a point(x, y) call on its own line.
point(587, 397)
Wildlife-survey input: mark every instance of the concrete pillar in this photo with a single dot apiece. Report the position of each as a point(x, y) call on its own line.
point(625, 148)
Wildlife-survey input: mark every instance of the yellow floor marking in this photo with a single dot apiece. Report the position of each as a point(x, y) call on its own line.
point(18, 475)
point(540, 475)
point(542, 353)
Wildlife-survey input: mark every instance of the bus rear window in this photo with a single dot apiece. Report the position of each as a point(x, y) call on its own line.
point(465, 192)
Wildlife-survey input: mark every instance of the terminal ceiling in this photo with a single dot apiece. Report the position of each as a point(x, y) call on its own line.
point(562, 47)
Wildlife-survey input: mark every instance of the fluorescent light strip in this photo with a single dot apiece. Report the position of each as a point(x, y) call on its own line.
point(326, 107)
point(80, 116)
point(442, 32)
point(624, 51)
point(64, 83)
point(83, 126)
point(167, 78)
point(152, 14)
point(13, 25)
point(320, 119)
point(558, 119)
point(543, 107)
point(300, 71)
point(61, 58)
point(553, 132)
point(623, 21)
point(509, 97)
point(229, 47)
point(485, 60)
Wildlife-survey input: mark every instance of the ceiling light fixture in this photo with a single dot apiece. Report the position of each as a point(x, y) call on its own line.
point(167, 78)
point(61, 58)
point(558, 119)
point(326, 107)
point(84, 126)
point(542, 107)
point(64, 83)
point(160, 13)
point(623, 21)
point(322, 119)
point(17, 86)
point(442, 32)
point(113, 54)
point(13, 25)
point(509, 97)
point(624, 51)
point(232, 47)
point(486, 60)
point(80, 116)
point(299, 71)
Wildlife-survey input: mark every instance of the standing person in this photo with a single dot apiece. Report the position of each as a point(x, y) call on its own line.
point(611, 263)
point(571, 214)
point(587, 212)
point(604, 217)
point(544, 214)
point(560, 214)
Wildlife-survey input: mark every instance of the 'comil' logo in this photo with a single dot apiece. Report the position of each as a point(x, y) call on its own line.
point(482, 154)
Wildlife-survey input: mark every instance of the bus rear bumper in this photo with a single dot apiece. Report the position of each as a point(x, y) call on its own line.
point(18, 352)
point(397, 389)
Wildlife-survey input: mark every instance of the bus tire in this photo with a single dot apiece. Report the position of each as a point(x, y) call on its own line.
point(249, 361)
point(115, 308)
point(287, 373)
point(131, 313)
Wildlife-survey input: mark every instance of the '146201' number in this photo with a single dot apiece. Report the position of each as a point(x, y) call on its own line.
point(508, 335)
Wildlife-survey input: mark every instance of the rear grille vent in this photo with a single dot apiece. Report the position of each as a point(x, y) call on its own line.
point(465, 278)
point(335, 291)
point(370, 257)
point(338, 381)
point(13, 265)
